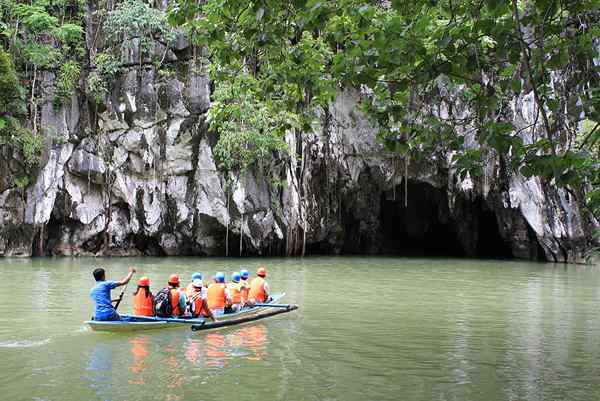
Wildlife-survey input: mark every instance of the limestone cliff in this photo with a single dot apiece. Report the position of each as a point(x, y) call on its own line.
point(138, 176)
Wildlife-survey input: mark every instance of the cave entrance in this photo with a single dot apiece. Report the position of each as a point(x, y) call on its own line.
point(490, 243)
point(422, 227)
point(425, 226)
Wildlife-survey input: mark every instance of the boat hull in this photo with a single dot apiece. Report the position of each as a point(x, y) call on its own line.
point(139, 323)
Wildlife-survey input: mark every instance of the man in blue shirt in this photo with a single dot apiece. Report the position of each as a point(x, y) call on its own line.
point(104, 310)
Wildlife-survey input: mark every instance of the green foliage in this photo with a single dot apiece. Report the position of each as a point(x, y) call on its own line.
point(31, 147)
point(437, 76)
point(42, 33)
point(96, 86)
point(107, 65)
point(21, 182)
point(136, 19)
point(99, 79)
point(12, 99)
point(67, 79)
point(12, 107)
point(249, 133)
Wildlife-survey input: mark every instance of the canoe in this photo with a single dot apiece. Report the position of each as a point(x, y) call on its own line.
point(245, 318)
point(136, 323)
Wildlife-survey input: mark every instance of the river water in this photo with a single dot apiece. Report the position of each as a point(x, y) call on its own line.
point(367, 329)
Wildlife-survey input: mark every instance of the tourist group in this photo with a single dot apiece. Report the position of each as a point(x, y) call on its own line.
point(197, 300)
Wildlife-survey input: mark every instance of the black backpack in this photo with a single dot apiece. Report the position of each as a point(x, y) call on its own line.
point(162, 303)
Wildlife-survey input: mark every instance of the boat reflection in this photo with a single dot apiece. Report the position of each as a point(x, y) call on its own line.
point(217, 350)
point(248, 343)
point(99, 371)
point(139, 349)
point(177, 352)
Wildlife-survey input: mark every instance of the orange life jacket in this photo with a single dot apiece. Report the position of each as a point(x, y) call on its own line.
point(257, 290)
point(175, 301)
point(199, 309)
point(142, 304)
point(216, 296)
point(189, 290)
point(235, 291)
point(245, 290)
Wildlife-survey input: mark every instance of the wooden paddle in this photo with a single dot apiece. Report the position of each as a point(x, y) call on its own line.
point(273, 305)
point(121, 296)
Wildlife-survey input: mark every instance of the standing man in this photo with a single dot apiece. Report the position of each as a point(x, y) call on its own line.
point(104, 310)
point(259, 288)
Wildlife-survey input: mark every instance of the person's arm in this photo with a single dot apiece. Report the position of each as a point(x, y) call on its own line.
point(126, 279)
point(266, 288)
point(206, 308)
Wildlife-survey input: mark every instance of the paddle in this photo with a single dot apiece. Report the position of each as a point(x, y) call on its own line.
point(273, 305)
point(121, 296)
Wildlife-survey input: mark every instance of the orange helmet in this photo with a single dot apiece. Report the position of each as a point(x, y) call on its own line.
point(262, 272)
point(144, 281)
point(174, 279)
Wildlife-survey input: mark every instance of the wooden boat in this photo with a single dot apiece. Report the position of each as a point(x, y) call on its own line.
point(136, 323)
point(246, 318)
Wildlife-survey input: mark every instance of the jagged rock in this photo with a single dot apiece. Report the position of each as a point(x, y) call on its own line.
point(197, 92)
point(86, 164)
point(161, 192)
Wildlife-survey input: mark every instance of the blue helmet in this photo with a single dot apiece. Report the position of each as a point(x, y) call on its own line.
point(235, 277)
point(220, 277)
point(196, 276)
point(244, 273)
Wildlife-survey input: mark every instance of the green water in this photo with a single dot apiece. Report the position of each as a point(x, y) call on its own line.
point(367, 329)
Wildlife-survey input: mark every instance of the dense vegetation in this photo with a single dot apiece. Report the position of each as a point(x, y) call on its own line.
point(433, 74)
point(437, 77)
point(36, 37)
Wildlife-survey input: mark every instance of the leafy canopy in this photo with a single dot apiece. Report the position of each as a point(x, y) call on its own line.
point(438, 77)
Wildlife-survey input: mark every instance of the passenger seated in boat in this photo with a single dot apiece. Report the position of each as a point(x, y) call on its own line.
point(170, 301)
point(196, 303)
point(103, 309)
point(245, 284)
point(235, 292)
point(143, 300)
point(189, 290)
point(259, 288)
point(218, 295)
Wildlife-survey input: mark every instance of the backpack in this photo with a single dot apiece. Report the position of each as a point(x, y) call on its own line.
point(162, 303)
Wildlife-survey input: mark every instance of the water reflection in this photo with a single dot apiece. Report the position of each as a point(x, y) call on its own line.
point(139, 349)
point(100, 371)
point(155, 361)
point(249, 343)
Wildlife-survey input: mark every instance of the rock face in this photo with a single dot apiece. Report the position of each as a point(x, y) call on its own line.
point(139, 177)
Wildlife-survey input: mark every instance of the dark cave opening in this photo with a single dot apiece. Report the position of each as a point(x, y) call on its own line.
point(421, 227)
point(147, 245)
point(424, 225)
point(490, 243)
